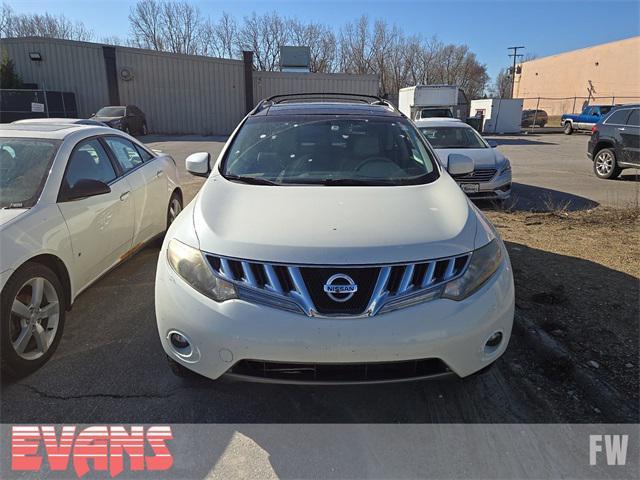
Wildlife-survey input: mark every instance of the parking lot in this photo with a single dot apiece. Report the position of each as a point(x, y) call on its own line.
point(110, 366)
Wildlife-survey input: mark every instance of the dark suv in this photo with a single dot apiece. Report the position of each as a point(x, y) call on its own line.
point(615, 142)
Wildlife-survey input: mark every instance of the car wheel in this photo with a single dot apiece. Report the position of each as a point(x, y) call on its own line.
point(605, 165)
point(174, 208)
point(33, 313)
point(568, 128)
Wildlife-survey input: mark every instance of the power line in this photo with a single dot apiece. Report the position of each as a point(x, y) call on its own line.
point(515, 56)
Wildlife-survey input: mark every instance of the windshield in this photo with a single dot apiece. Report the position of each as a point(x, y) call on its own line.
point(111, 112)
point(453, 137)
point(24, 166)
point(436, 113)
point(329, 150)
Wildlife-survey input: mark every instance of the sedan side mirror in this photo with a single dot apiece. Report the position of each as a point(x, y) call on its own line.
point(86, 187)
point(459, 164)
point(198, 164)
point(492, 143)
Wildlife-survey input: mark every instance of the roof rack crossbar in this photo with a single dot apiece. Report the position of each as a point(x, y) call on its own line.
point(358, 97)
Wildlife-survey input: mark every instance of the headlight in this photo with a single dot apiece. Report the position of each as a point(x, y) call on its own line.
point(506, 167)
point(484, 263)
point(189, 263)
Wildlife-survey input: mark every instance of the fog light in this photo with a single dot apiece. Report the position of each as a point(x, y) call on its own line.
point(178, 341)
point(494, 340)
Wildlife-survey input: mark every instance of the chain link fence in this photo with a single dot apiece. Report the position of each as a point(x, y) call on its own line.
point(20, 104)
point(547, 111)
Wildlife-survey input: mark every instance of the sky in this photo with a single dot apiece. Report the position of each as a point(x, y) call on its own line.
point(487, 27)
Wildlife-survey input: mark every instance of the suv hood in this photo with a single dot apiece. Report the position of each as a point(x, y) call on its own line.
point(334, 225)
point(482, 157)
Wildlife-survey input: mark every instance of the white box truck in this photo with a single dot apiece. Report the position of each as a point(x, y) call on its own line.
point(425, 101)
point(499, 115)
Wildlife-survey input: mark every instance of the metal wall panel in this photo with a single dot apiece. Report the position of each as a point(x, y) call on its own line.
point(66, 65)
point(180, 94)
point(183, 93)
point(275, 83)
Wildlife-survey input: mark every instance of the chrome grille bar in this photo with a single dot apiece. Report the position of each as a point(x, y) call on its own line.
point(258, 282)
point(405, 283)
point(272, 278)
point(428, 275)
point(249, 276)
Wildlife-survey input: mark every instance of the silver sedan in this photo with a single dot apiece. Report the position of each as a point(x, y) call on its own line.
point(491, 176)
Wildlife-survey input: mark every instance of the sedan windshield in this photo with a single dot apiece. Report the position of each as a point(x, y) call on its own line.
point(453, 137)
point(328, 150)
point(24, 166)
point(111, 112)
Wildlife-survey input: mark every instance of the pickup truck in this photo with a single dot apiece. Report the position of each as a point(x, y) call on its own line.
point(590, 115)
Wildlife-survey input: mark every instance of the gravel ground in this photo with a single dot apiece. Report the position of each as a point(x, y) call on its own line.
point(579, 284)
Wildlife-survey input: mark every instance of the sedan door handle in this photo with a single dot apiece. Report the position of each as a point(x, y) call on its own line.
point(159, 173)
point(124, 196)
point(622, 129)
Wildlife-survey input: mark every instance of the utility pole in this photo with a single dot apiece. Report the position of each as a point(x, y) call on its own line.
point(515, 56)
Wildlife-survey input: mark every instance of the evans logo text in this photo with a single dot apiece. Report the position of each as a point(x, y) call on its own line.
point(98, 448)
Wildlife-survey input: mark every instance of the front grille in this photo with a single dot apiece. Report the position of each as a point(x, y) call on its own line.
point(479, 175)
point(340, 372)
point(310, 289)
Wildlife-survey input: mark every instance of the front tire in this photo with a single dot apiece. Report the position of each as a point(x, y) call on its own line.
point(605, 164)
point(174, 208)
point(32, 319)
point(568, 128)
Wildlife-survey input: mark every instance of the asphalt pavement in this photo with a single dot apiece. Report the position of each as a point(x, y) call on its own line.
point(110, 366)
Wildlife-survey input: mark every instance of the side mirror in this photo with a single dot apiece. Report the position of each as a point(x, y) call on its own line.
point(459, 164)
point(198, 164)
point(492, 143)
point(86, 187)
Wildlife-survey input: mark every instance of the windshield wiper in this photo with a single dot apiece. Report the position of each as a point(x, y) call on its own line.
point(355, 182)
point(250, 180)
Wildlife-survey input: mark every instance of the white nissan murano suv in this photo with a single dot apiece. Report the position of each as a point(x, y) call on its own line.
point(328, 245)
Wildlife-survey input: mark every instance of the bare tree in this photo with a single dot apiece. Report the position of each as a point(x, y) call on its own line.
point(264, 35)
point(181, 27)
point(167, 26)
point(219, 38)
point(6, 13)
point(355, 47)
point(320, 40)
point(145, 24)
point(41, 25)
point(502, 85)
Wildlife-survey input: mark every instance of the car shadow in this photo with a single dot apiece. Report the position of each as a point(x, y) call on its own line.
point(629, 176)
point(530, 198)
point(518, 141)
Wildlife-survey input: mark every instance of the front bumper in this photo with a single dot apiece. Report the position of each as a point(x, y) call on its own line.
point(223, 334)
point(498, 188)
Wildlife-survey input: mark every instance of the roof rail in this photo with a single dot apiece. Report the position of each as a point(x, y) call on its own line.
point(356, 97)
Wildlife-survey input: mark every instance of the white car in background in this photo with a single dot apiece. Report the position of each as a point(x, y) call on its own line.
point(491, 175)
point(75, 200)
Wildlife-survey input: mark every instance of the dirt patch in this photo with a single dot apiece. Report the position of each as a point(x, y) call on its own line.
point(577, 278)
